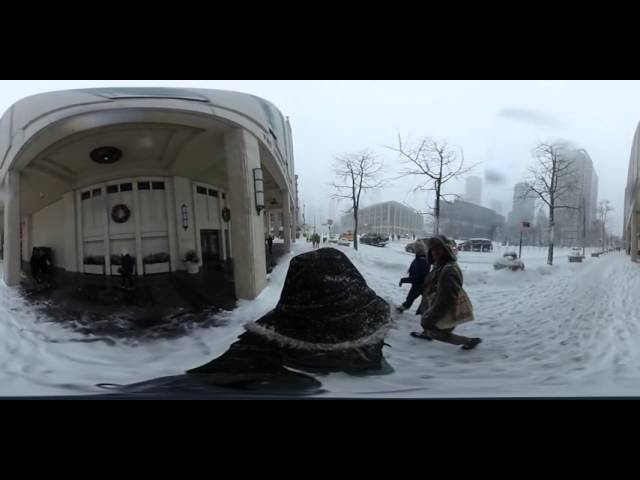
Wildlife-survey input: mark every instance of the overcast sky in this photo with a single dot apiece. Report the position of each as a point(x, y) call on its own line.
point(495, 122)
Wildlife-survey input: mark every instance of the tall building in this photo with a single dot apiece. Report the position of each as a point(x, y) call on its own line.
point(523, 210)
point(459, 219)
point(574, 223)
point(386, 218)
point(473, 193)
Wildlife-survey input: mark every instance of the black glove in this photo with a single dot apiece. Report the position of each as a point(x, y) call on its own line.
point(400, 284)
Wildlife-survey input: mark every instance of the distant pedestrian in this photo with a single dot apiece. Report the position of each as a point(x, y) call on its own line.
point(270, 243)
point(126, 269)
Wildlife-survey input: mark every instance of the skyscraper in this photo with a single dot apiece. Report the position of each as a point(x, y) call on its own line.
point(523, 210)
point(573, 223)
point(473, 192)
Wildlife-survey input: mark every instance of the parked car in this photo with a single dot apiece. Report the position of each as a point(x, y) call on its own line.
point(344, 241)
point(374, 239)
point(509, 260)
point(476, 245)
point(576, 255)
point(409, 248)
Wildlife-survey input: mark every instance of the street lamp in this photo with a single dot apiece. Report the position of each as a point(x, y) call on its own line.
point(258, 183)
point(185, 217)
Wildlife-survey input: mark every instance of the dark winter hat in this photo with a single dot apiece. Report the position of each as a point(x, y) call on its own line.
point(445, 243)
point(327, 319)
point(419, 248)
point(325, 305)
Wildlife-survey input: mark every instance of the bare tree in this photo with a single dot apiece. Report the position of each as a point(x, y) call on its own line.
point(603, 210)
point(435, 163)
point(551, 179)
point(356, 173)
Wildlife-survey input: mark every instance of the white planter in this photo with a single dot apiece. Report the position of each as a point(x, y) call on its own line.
point(94, 269)
point(192, 267)
point(152, 268)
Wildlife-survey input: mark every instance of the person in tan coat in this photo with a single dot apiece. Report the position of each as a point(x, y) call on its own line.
point(444, 304)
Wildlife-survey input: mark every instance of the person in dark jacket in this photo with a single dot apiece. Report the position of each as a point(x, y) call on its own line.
point(418, 271)
point(126, 270)
point(443, 285)
point(270, 243)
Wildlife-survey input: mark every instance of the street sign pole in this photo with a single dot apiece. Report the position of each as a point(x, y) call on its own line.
point(524, 225)
point(520, 251)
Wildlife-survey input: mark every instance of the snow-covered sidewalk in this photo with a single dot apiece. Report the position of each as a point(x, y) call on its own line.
point(570, 329)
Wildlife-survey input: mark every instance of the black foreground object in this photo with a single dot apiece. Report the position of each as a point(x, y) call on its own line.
point(327, 320)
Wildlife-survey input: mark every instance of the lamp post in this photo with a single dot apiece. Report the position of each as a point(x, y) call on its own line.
point(258, 183)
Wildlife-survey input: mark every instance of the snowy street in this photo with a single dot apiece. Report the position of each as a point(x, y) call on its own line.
point(567, 329)
point(570, 329)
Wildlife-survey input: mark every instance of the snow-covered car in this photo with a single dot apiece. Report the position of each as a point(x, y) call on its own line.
point(476, 245)
point(374, 239)
point(576, 255)
point(509, 260)
point(333, 239)
point(344, 242)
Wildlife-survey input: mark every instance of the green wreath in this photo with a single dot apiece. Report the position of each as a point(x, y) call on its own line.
point(120, 213)
point(226, 214)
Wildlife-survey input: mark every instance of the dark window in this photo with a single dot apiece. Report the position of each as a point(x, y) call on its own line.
point(86, 195)
point(213, 193)
point(112, 188)
point(157, 185)
point(144, 186)
point(96, 192)
point(126, 187)
point(223, 196)
point(201, 190)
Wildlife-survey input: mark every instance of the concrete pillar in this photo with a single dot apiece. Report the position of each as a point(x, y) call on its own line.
point(12, 226)
point(247, 236)
point(286, 219)
point(634, 237)
point(172, 224)
point(223, 243)
point(70, 234)
point(294, 222)
point(138, 225)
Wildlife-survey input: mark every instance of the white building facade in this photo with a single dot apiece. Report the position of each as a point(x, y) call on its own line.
point(573, 224)
point(386, 218)
point(632, 200)
point(158, 172)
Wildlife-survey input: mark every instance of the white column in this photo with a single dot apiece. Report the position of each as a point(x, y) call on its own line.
point(172, 226)
point(221, 202)
point(286, 219)
point(70, 234)
point(138, 225)
point(12, 226)
point(247, 236)
point(107, 229)
point(294, 222)
point(634, 236)
point(79, 232)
